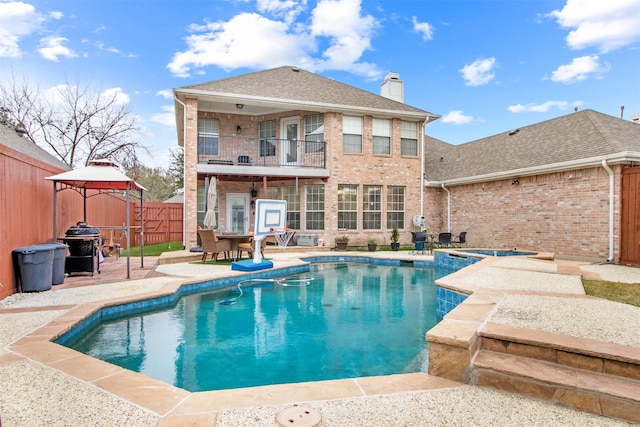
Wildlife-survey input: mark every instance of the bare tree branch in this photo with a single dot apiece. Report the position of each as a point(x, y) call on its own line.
point(73, 122)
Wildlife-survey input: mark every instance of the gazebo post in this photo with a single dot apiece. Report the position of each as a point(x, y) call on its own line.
point(141, 231)
point(128, 230)
point(55, 211)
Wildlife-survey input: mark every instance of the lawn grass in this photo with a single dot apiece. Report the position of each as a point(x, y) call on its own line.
point(614, 291)
point(156, 250)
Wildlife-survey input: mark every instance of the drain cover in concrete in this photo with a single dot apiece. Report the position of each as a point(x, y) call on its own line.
point(300, 416)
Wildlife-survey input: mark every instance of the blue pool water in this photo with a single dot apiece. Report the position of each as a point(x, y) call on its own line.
point(336, 320)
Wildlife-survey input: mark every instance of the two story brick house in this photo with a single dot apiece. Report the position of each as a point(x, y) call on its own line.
point(348, 162)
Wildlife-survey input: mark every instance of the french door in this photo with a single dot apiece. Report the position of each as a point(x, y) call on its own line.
point(289, 141)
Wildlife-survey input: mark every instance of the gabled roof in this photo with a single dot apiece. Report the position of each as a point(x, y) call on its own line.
point(291, 84)
point(563, 143)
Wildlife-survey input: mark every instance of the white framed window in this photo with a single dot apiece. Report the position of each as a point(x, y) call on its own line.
point(351, 134)
point(314, 208)
point(347, 207)
point(314, 133)
point(208, 137)
point(292, 196)
point(408, 138)
point(395, 207)
point(267, 134)
point(372, 207)
point(381, 136)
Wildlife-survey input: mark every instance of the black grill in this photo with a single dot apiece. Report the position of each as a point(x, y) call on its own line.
point(76, 237)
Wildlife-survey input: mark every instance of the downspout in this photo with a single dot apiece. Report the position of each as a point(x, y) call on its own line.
point(184, 173)
point(448, 207)
point(422, 158)
point(611, 208)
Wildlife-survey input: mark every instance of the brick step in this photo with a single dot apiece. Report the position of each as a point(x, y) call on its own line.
point(585, 390)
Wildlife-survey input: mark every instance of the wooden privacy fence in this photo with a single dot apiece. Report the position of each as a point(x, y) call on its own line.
point(162, 223)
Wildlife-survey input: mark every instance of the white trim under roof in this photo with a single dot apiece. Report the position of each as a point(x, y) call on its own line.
point(590, 162)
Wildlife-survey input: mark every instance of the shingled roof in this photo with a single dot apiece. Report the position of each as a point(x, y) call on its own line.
point(9, 138)
point(293, 84)
point(585, 136)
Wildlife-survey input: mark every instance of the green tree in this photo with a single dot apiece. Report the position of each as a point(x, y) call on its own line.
point(158, 183)
point(176, 169)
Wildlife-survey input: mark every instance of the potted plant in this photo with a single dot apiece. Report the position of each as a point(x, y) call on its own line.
point(395, 236)
point(341, 243)
point(372, 244)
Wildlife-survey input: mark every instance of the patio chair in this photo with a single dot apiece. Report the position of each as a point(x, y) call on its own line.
point(460, 240)
point(248, 246)
point(444, 240)
point(211, 245)
point(420, 243)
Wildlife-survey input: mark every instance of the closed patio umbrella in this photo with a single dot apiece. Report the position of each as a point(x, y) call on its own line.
point(210, 214)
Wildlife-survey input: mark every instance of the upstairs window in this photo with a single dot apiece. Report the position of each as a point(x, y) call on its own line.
point(351, 134)
point(381, 136)
point(267, 134)
point(409, 138)
point(314, 133)
point(208, 137)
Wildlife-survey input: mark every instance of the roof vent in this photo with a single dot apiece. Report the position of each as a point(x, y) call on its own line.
point(295, 69)
point(513, 132)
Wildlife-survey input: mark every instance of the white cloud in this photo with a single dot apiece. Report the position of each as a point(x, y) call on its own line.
point(456, 117)
point(542, 108)
point(256, 41)
point(579, 69)
point(52, 48)
point(165, 93)
point(116, 94)
point(101, 46)
point(479, 72)
point(606, 25)
point(17, 20)
point(167, 118)
point(56, 15)
point(424, 28)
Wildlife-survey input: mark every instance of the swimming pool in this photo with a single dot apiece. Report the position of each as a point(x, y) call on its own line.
point(333, 320)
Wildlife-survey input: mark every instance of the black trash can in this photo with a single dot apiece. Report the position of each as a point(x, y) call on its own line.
point(34, 267)
point(59, 258)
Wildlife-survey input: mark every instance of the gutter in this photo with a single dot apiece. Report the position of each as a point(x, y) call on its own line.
point(184, 172)
point(622, 157)
point(611, 208)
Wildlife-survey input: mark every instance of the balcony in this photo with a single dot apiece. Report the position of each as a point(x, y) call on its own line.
point(237, 155)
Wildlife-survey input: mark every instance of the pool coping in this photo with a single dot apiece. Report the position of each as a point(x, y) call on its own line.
point(177, 406)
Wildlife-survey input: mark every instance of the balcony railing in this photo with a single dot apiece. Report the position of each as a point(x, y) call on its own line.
point(269, 152)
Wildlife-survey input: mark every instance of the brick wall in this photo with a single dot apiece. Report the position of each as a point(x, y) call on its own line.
point(566, 213)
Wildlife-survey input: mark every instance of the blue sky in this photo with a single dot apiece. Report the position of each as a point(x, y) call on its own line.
point(485, 66)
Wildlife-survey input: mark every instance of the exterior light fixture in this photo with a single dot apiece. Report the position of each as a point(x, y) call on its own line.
point(239, 106)
point(238, 129)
